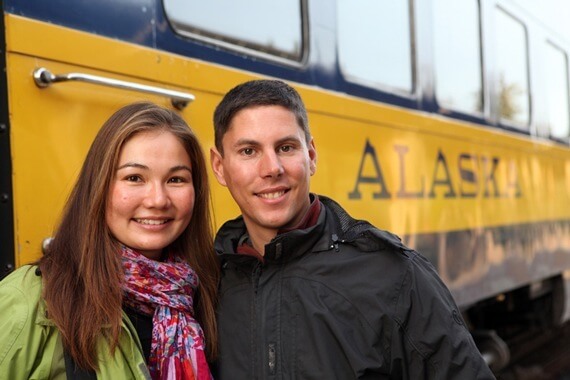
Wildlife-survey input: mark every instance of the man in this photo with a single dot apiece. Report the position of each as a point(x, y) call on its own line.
point(307, 292)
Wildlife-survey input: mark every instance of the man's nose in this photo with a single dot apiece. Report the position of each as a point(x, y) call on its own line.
point(271, 165)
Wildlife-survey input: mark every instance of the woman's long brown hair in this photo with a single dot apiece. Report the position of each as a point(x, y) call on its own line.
point(82, 271)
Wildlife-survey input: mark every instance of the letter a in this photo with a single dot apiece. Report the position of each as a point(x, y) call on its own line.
point(378, 179)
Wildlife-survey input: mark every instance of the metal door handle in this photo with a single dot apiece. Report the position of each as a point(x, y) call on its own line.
point(44, 78)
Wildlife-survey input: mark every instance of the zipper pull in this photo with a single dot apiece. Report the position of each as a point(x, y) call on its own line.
point(335, 242)
point(272, 358)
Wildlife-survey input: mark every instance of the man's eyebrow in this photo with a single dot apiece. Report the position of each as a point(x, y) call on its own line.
point(285, 139)
point(242, 142)
point(282, 140)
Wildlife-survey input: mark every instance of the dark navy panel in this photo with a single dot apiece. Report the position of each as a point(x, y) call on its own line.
point(7, 249)
point(131, 20)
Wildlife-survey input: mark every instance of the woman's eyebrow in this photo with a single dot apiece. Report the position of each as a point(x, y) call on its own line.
point(179, 167)
point(144, 167)
point(133, 165)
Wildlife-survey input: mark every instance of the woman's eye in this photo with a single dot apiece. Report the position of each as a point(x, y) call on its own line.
point(177, 180)
point(133, 178)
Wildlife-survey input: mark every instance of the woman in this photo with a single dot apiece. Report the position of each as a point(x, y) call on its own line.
point(124, 264)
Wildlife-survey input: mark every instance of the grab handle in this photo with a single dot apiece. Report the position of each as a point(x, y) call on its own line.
point(44, 78)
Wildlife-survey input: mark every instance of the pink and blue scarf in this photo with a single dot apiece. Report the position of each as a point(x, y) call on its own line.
point(165, 290)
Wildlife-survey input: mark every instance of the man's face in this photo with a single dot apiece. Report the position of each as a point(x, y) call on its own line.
point(266, 166)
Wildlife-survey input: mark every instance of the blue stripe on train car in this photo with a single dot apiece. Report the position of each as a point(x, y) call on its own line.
point(143, 22)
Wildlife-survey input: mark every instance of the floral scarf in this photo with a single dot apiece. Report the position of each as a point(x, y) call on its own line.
point(165, 290)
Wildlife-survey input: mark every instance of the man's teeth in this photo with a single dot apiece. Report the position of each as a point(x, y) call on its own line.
point(274, 195)
point(151, 221)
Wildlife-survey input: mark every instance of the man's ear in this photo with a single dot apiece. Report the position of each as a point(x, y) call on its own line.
point(217, 165)
point(312, 156)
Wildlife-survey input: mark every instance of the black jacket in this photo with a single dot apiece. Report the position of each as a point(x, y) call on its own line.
point(339, 300)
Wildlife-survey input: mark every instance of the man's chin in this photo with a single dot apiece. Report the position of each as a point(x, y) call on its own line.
point(273, 223)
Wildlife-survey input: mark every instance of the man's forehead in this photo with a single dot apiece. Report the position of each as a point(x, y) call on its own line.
point(254, 120)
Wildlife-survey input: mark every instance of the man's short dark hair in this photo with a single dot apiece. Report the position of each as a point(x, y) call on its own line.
point(263, 92)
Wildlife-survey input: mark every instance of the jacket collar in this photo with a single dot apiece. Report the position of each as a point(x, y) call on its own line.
point(283, 247)
point(334, 226)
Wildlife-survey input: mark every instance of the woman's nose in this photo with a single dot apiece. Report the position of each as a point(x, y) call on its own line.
point(157, 196)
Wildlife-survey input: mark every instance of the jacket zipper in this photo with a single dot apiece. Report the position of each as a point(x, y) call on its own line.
point(255, 275)
point(256, 312)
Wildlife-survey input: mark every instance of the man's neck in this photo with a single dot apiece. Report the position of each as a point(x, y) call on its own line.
point(259, 239)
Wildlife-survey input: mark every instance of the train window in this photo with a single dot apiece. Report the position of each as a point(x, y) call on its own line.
point(458, 74)
point(374, 43)
point(558, 98)
point(512, 70)
point(267, 27)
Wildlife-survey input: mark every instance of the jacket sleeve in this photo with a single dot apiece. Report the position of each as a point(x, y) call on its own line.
point(431, 340)
point(18, 349)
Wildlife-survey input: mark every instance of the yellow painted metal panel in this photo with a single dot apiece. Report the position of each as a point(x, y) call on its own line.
point(430, 173)
point(422, 176)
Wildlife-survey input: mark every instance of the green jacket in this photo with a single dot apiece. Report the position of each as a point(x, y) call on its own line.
point(30, 343)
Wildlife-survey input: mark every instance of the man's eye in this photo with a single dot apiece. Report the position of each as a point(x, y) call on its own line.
point(286, 148)
point(247, 151)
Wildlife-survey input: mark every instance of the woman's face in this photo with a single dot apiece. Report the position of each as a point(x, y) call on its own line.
point(151, 196)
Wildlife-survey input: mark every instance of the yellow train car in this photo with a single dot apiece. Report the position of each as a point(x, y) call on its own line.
point(445, 122)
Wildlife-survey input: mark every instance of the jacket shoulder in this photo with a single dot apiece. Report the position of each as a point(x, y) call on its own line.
point(20, 293)
point(361, 233)
point(21, 287)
